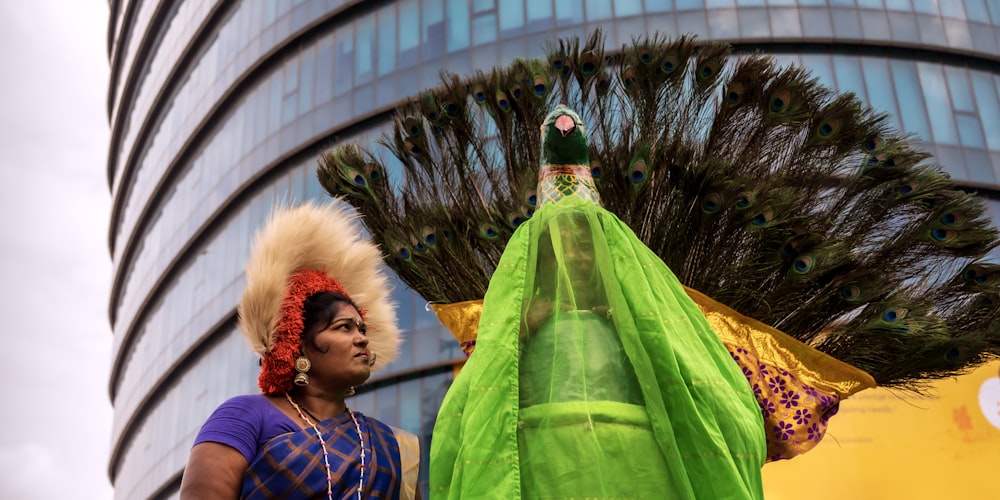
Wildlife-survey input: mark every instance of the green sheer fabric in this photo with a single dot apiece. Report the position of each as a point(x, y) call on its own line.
point(594, 376)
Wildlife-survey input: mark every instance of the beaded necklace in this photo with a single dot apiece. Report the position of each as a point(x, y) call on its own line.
point(322, 442)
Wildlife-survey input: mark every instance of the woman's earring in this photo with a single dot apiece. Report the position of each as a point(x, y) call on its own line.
point(372, 362)
point(302, 365)
point(350, 391)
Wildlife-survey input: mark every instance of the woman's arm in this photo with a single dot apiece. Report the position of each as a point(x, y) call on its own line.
point(213, 471)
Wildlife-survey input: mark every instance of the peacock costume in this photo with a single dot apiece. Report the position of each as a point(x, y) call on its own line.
point(579, 312)
point(766, 248)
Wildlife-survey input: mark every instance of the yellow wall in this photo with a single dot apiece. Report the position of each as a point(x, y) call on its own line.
point(886, 445)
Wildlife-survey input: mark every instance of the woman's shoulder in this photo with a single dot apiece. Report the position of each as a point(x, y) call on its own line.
point(251, 402)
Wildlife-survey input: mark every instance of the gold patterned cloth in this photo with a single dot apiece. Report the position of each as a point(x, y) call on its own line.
point(556, 182)
point(797, 387)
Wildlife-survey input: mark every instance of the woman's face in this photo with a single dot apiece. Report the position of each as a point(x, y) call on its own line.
point(341, 358)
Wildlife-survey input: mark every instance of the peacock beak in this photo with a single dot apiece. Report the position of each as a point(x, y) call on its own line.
point(565, 124)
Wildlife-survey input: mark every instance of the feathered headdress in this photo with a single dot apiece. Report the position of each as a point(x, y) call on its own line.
point(302, 251)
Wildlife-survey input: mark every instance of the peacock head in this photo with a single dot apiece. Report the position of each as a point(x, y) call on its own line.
point(565, 168)
point(564, 138)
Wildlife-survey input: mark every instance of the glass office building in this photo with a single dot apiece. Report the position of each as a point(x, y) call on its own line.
point(220, 108)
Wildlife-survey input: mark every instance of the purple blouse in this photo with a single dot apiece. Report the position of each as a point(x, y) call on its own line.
point(245, 423)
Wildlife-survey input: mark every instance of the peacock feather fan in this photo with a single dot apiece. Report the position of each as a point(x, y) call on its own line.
point(761, 188)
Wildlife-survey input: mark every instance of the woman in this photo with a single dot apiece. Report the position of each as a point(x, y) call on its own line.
point(317, 310)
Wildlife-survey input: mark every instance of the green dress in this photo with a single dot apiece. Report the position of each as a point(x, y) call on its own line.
point(594, 376)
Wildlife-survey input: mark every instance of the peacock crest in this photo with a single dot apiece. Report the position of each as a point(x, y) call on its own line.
point(759, 187)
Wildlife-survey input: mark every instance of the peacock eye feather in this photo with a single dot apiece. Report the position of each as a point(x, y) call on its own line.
point(628, 78)
point(531, 198)
point(430, 236)
point(502, 101)
point(588, 63)
point(894, 314)
point(645, 56)
point(804, 264)
point(489, 232)
point(638, 172)
point(516, 91)
point(479, 93)
point(780, 101)
point(541, 86)
point(357, 178)
point(708, 70)
point(873, 144)
point(850, 293)
point(828, 128)
point(734, 95)
point(763, 219)
point(413, 127)
point(515, 219)
point(711, 203)
point(451, 108)
point(557, 61)
point(596, 169)
point(955, 354)
point(943, 235)
point(404, 253)
point(952, 218)
point(745, 200)
point(669, 64)
point(603, 84)
point(413, 148)
point(373, 171)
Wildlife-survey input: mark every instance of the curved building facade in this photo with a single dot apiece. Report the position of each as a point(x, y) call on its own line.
point(220, 108)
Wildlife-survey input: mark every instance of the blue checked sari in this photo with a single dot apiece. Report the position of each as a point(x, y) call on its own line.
point(291, 465)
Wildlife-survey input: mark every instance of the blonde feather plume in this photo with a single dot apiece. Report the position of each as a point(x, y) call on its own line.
point(321, 237)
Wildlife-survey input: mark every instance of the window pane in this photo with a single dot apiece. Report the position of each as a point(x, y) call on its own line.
point(690, 4)
point(879, 85)
point(484, 28)
point(988, 106)
point(958, 88)
point(569, 12)
point(511, 14)
point(386, 40)
point(409, 33)
point(969, 131)
point(307, 80)
point(819, 65)
point(911, 111)
point(936, 98)
point(655, 5)
point(976, 9)
point(926, 6)
point(324, 69)
point(458, 25)
point(433, 31)
point(627, 7)
point(849, 76)
point(344, 67)
point(364, 58)
point(598, 10)
point(539, 14)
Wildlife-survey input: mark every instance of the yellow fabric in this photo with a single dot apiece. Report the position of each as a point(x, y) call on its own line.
point(409, 459)
point(462, 319)
point(780, 350)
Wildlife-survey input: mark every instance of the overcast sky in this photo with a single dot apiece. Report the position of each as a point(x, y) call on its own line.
point(54, 264)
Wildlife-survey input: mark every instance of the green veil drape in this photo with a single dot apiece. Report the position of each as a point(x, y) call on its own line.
point(594, 376)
